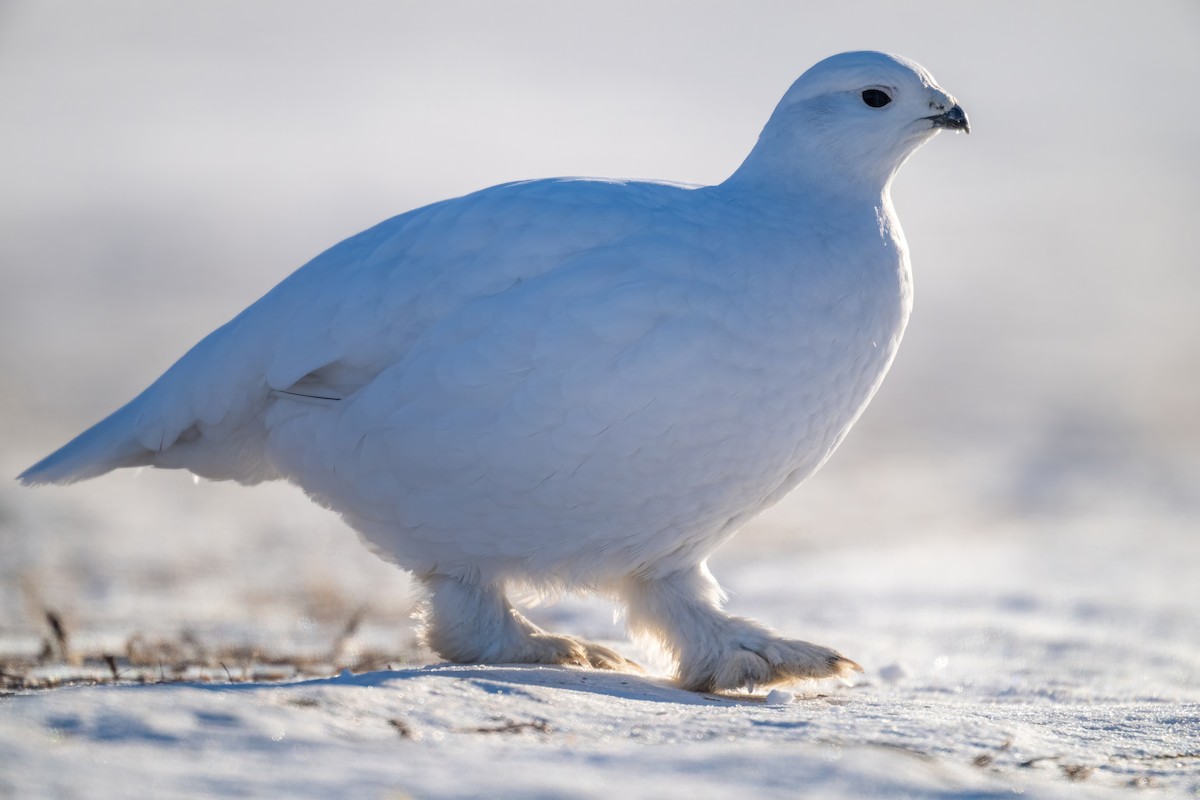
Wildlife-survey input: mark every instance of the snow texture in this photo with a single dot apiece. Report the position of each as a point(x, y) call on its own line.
point(1058, 688)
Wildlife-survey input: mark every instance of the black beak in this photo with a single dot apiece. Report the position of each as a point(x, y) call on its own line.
point(953, 120)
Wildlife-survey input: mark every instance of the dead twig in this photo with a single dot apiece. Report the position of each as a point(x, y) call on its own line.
point(61, 643)
point(403, 728)
point(512, 726)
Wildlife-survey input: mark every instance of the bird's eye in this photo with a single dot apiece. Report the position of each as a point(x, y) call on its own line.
point(875, 98)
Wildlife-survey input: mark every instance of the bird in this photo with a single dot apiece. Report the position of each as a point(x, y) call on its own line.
point(571, 384)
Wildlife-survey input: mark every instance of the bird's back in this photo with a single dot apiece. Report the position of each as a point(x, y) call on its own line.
point(358, 308)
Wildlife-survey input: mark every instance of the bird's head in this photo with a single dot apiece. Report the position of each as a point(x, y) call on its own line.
point(852, 120)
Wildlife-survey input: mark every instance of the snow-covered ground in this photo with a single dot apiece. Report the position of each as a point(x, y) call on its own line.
point(1049, 662)
point(1007, 542)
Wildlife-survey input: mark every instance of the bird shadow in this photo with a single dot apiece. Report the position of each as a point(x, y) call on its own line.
point(504, 679)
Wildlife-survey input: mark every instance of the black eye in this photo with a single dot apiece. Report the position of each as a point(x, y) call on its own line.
point(875, 98)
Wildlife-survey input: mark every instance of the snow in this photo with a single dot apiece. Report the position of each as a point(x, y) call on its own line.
point(465, 731)
point(1007, 542)
point(1036, 664)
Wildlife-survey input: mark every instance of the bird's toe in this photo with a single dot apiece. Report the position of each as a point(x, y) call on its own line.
point(770, 662)
point(601, 657)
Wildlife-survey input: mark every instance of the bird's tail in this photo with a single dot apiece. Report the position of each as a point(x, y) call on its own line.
point(107, 445)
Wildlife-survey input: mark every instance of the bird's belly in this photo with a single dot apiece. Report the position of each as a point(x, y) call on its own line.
point(576, 492)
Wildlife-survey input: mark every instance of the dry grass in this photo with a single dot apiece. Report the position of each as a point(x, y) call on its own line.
point(186, 657)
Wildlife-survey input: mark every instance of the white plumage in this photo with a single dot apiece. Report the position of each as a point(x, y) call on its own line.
point(574, 383)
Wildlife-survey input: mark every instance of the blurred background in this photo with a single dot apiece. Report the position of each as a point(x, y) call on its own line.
point(164, 164)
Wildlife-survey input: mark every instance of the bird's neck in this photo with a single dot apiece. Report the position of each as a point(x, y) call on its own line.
point(817, 170)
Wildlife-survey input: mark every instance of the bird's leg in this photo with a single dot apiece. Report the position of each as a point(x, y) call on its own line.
point(469, 622)
point(717, 651)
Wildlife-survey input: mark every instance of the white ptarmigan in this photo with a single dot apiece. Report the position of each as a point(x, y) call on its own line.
point(580, 384)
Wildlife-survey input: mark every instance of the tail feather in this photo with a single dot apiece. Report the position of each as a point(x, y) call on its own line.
point(109, 444)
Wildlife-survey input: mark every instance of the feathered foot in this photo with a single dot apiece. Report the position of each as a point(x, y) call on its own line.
point(718, 652)
point(469, 623)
